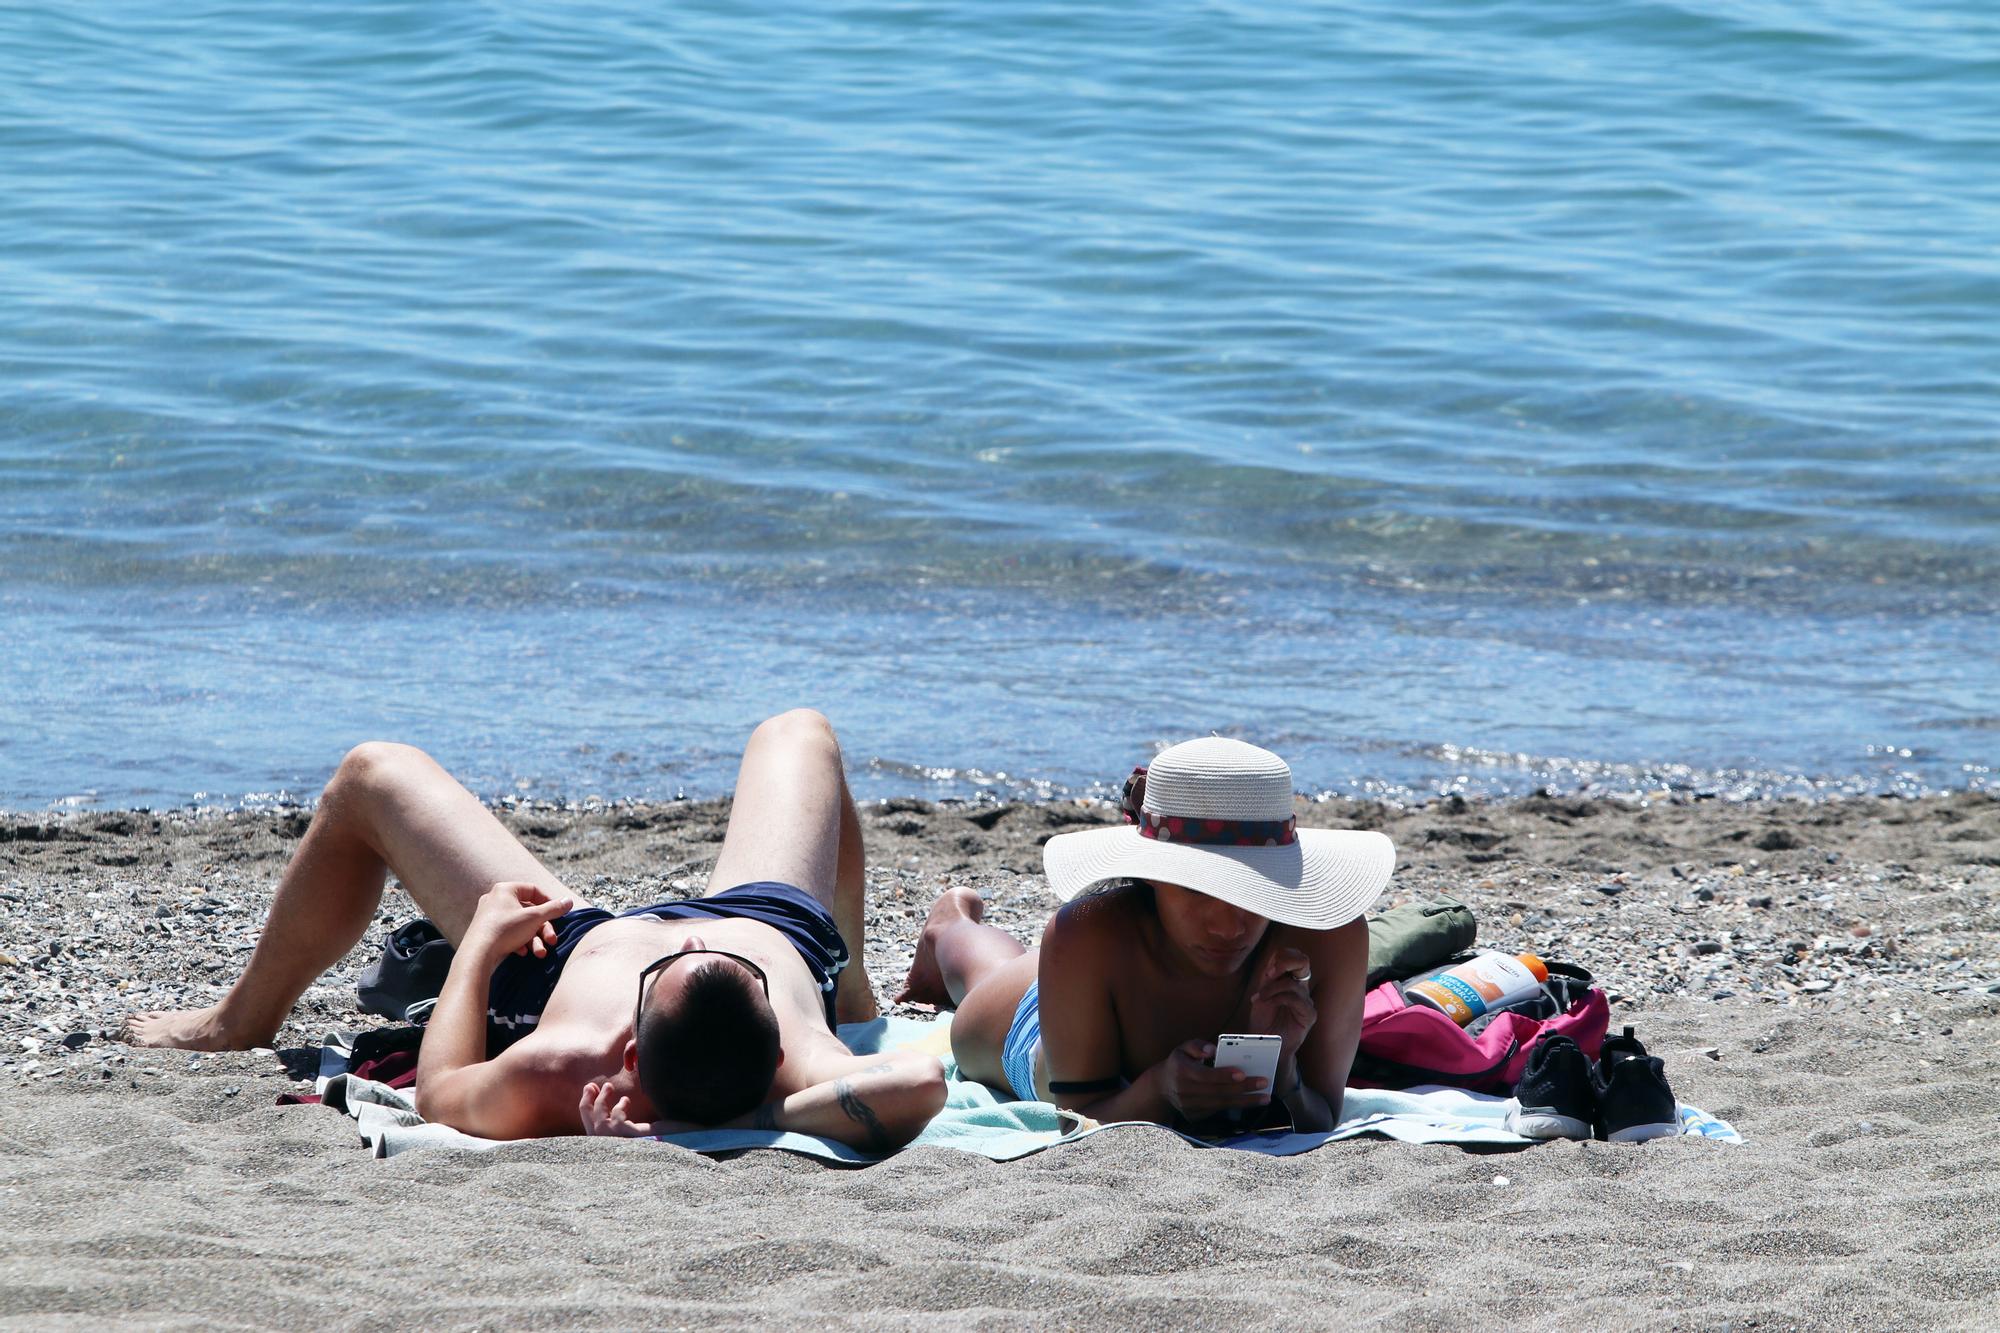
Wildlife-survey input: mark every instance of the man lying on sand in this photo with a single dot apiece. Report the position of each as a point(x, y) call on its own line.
point(1218, 914)
point(560, 1018)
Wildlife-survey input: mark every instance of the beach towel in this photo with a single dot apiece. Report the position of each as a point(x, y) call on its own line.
point(975, 1119)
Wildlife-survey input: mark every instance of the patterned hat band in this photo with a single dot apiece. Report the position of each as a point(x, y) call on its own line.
point(1197, 832)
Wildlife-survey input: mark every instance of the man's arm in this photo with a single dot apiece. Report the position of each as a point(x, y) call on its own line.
point(876, 1103)
point(878, 1106)
point(456, 1084)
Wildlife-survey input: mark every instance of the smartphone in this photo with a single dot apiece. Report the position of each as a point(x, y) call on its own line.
point(1255, 1053)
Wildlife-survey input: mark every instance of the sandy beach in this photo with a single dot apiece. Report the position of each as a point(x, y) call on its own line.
point(1824, 976)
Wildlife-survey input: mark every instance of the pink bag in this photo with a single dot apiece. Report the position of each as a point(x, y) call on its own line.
point(1405, 1044)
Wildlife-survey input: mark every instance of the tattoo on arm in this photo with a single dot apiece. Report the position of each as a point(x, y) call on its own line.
point(862, 1114)
point(766, 1117)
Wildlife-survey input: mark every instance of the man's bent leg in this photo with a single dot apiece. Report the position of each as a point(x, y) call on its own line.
point(389, 808)
point(793, 821)
point(854, 994)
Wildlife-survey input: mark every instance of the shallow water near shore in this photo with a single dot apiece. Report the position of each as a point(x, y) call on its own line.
point(1590, 397)
point(983, 697)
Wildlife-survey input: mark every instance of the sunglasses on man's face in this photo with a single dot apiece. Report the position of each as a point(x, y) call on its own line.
point(662, 964)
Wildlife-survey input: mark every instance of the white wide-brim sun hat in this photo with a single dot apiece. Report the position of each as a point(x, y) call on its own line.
point(1217, 818)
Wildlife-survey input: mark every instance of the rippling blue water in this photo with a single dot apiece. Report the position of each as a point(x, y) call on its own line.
point(1449, 395)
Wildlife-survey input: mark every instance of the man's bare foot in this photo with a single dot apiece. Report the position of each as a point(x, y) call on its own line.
point(190, 1030)
point(925, 984)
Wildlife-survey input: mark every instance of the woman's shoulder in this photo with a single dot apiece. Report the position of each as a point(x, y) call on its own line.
point(1088, 946)
point(1104, 915)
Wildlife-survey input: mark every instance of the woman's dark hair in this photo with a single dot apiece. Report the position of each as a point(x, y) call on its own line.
point(1138, 889)
point(712, 1056)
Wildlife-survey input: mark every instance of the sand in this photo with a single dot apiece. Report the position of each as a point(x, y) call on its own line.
point(1824, 976)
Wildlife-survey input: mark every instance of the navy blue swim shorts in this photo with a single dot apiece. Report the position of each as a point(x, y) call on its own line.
point(521, 986)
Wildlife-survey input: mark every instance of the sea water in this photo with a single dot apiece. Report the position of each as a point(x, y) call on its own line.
point(1452, 397)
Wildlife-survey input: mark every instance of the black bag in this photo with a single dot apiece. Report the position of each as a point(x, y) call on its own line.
point(410, 972)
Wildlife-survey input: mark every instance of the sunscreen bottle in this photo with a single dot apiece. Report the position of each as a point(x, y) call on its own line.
point(1490, 981)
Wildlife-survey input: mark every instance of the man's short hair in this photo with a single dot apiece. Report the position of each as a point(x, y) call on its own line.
point(711, 1056)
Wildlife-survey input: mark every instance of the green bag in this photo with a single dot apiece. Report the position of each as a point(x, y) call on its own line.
point(1415, 937)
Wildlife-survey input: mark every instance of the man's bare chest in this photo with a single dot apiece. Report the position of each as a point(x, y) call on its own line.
point(645, 938)
point(602, 972)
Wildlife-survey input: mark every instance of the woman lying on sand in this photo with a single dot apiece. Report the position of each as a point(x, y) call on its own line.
point(1218, 914)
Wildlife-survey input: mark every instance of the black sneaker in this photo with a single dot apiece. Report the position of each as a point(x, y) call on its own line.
point(1624, 1046)
point(1634, 1102)
point(1555, 1098)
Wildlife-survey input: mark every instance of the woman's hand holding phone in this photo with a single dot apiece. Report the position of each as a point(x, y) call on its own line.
point(1199, 1091)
